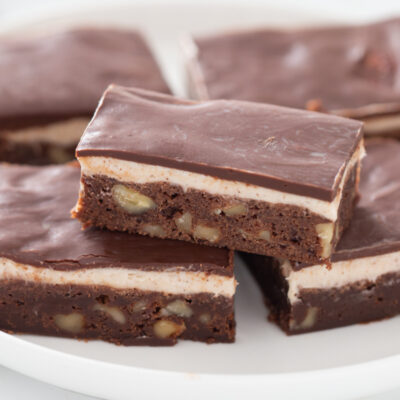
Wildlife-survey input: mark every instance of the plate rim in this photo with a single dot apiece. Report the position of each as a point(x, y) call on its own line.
point(375, 371)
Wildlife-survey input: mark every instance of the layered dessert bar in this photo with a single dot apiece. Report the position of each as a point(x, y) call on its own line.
point(51, 85)
point(133, 290)
point(363, 283)
point(241, 175)
point(349, 71)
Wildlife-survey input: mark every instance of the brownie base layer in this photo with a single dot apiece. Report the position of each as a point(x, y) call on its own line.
point(127, 317)
point(37, 153)
point(258, 227)
point(319, 309)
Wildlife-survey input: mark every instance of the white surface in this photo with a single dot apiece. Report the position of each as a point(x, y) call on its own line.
point(345, 363)
point(18, 387)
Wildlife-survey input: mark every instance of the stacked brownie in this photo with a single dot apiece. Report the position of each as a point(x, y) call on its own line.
point(245, 176)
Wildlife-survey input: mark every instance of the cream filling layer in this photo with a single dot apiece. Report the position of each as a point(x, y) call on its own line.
point(167, 281)
point(133, 172)
point(382, 125)
point(342, 273)
point(64, 133)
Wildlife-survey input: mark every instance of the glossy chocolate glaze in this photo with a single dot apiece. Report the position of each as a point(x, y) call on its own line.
point(63, 74)
point(375, 227)
point(36, 229)
point(341, 68)
point(288, 150)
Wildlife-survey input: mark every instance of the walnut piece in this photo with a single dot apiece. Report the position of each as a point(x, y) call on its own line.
point(114, 312)
point(206, 233)
point(325, 234)
point(165, 328)
point(235, 209)
point(337, 232)
point(132, 201)
point(73, 323)
point(265, 235)
point(179, 308)
point(205, 318)
point(308, 322)
point(139, 306)
point(154, 230)
point(184, 222)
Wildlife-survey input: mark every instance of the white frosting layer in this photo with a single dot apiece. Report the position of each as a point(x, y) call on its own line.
point(62, 133)
point(342, 273)
point(133, 172)
point(172, 282)
point(381, 125)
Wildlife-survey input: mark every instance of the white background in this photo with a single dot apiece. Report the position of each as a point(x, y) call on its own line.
point(14, 386)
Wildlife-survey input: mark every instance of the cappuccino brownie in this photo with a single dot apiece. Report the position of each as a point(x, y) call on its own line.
point(59, 280)
point(245, 176)
point(51, 86)
point(363, 283)
point(349, 71)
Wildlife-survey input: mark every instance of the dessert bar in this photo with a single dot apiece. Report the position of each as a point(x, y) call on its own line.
point(51, 85)
point(363, 283)
point(349, 71)
point(247, 176)
point(59, 280)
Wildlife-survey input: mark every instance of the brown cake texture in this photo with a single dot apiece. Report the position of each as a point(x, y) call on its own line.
point(52, 84)
point(246, 176)
point(344, 70)
point(57, 279)
point(363, 281)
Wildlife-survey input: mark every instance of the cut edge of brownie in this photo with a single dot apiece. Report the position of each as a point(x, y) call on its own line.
point(298, 309)
point(125, 317)
point(47, 141)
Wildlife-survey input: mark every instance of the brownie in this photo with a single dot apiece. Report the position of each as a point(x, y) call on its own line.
point(52, 83)
point(247, 176)
point(346, 70)
point(57, 279)
point(363, 281)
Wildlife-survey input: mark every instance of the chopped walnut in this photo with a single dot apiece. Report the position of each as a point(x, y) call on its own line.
point(132, 201)
point(114, 312)
point(206, 233)
point(154, 230)
point(308, 322)
point(235, 209)
point(179, 308)
point(325, 233)
point(165, 329)
point(73, 323)
point(184, 222)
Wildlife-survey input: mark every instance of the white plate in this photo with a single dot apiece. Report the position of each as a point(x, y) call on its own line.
point(344, 363)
